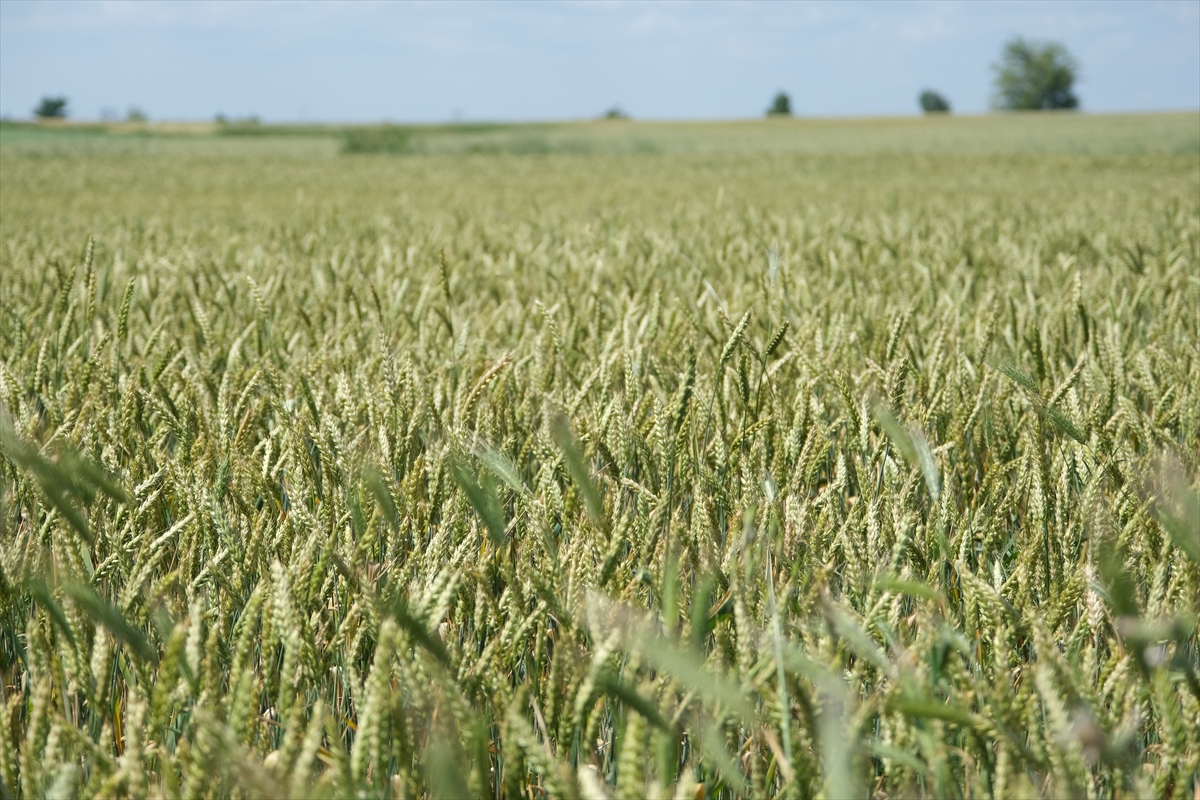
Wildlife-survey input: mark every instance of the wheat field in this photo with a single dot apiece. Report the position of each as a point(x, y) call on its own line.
point(746, 460)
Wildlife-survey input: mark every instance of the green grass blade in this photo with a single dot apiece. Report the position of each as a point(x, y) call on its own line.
point(560, 430)
point(105, 613)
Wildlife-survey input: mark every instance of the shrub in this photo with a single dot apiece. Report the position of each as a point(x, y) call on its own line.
point(379, 139)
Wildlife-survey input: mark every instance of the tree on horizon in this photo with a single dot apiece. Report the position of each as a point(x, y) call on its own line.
point(933, 103)
point(1033, 76)
point(781, 106)
point(51, 108)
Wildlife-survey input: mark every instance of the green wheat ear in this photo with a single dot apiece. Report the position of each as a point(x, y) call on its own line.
point(735, 339)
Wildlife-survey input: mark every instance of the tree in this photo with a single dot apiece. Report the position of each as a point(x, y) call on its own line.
point(1035, 75)
point(135, 114)
point(934, 103)
point(781, 106)
point(51, 108)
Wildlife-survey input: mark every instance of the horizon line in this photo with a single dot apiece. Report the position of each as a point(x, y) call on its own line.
point(628, 119)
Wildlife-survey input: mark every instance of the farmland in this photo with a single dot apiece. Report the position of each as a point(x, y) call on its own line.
point(786, 458)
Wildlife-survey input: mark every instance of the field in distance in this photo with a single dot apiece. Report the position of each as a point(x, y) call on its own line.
point(937, 134)
point(776, 458)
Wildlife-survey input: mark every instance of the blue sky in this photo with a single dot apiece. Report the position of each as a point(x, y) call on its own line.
point(435, 61)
